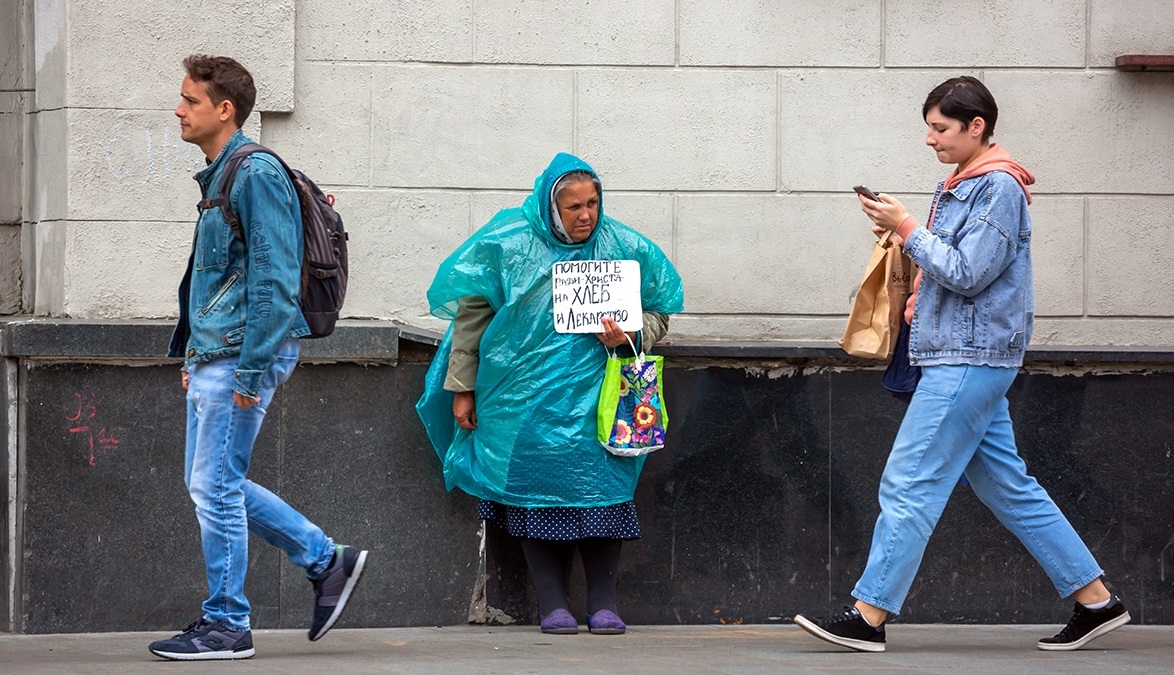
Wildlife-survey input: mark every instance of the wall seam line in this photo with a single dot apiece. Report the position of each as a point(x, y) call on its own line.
point(13, 441)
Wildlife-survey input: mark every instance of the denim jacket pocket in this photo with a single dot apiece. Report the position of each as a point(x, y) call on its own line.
point(213, 236)
point(968, 322)
point(219, 294)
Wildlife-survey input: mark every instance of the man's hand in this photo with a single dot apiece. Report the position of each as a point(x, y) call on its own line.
point(464, 409)
point(245, 402)
point(184, 379)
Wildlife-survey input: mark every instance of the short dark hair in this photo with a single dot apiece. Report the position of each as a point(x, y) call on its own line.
point(964, 98)
point(225, 78)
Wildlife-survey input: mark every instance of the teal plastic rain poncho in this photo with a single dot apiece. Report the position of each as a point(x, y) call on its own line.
point(537, 390)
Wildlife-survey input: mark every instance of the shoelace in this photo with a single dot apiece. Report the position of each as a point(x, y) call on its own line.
point(1077, 617)
point(194, 627)
point(849, 614)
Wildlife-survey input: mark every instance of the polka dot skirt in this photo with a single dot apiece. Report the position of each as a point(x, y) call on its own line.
point(617, 521)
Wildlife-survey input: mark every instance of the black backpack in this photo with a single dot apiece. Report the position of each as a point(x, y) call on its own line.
point(324, 253)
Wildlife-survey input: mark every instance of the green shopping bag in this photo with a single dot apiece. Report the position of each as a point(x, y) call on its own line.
point(632, 416)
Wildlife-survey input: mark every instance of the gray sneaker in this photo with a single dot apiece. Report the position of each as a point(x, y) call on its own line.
point(333, 590)
point(205, 641)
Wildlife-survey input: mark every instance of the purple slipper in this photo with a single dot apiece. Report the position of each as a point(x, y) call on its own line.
point(605, 622)
point(560, 622)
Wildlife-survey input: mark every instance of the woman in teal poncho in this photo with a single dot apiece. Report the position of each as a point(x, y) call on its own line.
point(510, 404)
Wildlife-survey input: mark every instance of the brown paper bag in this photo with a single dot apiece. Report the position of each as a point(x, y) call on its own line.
point(877, 310)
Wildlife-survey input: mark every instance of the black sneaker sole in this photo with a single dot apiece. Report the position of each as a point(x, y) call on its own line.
point(206, 656)
point(1110, 625)
point(351, 582)
point(859, 645)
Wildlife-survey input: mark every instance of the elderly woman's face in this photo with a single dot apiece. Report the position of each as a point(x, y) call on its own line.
point(578, 206)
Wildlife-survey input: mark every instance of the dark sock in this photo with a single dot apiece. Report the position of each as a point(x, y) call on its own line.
point(601, 563)
point(550, 565)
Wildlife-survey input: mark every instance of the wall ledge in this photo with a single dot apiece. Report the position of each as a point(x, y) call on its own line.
point(377, 341)
point(368, 341)
point(1145, 62)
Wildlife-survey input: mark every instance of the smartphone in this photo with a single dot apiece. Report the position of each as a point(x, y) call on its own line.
point(860, 189)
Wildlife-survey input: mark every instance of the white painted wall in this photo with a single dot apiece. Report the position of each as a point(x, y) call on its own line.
point(730, 131)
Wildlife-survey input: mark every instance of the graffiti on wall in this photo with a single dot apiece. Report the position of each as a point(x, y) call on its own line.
point(97, 439)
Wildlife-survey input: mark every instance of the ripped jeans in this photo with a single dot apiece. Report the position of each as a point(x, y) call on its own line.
point(220, 439)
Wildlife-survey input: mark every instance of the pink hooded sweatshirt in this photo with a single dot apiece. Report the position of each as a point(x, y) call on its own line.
point(994, 159)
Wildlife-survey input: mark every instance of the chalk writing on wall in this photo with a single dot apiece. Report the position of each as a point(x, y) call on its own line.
point(148, 154)
point(97, 439)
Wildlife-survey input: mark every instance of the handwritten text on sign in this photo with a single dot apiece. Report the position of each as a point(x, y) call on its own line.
point(585, 291)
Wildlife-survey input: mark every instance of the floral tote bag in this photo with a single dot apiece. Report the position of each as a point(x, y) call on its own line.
point(632, 415)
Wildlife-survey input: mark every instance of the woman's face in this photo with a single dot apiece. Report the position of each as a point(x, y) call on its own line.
point(954, 142)
point(578, 206)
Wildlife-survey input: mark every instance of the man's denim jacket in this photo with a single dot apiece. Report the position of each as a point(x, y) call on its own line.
point(976, 302)
point(237, 299)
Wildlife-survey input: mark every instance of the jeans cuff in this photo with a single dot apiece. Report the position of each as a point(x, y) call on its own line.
point(234, 627)
point(318, 569)
point(881, 604)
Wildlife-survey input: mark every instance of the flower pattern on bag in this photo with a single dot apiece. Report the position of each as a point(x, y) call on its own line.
point(639, 419)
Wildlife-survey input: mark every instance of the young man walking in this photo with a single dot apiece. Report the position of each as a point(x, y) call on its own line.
point(238, 330)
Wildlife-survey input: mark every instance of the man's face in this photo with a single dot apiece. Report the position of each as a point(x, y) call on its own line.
point(199, 118)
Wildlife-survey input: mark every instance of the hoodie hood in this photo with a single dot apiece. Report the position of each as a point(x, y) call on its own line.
point(994, 159)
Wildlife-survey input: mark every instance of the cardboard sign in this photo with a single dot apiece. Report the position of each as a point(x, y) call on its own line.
point(585, 291)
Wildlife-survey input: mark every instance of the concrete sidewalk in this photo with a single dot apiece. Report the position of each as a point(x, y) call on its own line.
point(645, 649)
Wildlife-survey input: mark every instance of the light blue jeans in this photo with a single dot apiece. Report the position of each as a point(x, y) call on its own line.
point(220, 439)
point(958, 422)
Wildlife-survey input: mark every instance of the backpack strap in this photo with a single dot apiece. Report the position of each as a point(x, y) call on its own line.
point(227, 176)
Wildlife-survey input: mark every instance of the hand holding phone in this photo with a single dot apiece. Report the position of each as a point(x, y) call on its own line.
point(862, 190)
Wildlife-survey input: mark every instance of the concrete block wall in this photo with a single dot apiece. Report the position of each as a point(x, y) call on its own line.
point(110, 201)
point(731, 132)
point(12, 106)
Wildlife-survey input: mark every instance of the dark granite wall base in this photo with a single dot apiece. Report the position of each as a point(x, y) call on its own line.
point(761, 506)
point(112, 541)
point(764, 501)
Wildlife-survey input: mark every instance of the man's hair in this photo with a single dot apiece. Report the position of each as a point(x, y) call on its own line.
point(963, 99)
point(225, 78)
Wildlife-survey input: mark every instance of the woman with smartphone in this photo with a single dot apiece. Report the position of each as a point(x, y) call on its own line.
point(970, 319)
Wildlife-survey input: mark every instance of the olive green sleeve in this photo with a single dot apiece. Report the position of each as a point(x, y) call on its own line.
point(655, 327)
point(473, 317)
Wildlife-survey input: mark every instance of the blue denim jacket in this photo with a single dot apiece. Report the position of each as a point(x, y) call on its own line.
point(976, 303)
point(236, 299)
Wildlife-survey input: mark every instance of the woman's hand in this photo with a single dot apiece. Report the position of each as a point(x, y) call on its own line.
point(880, 232)
point(464, 410)
point(612, 336)
point(887, 214)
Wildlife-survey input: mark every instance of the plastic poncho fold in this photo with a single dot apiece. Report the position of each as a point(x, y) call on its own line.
point(537, 390)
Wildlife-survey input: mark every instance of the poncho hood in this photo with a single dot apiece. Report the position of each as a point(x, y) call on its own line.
point(537, 206)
